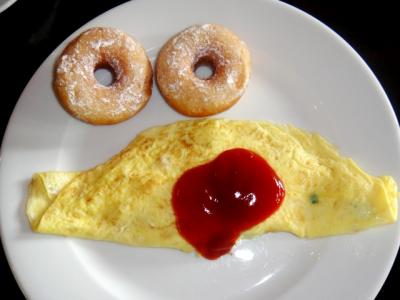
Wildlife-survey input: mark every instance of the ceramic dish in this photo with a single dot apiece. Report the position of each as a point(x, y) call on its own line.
point(303, 74)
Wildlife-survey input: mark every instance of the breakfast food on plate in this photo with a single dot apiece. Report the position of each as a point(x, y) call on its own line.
point(208, 44)
point(217, 201)
point(83, 96)
point(243, 178)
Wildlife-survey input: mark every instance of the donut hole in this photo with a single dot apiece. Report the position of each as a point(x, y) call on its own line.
point(105, 74)
point(204, 68)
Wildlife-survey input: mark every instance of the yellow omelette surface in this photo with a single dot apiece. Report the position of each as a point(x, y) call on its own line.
point(128, 198)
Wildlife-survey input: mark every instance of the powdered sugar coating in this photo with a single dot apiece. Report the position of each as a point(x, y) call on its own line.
point(87, 99)
point(200, 97)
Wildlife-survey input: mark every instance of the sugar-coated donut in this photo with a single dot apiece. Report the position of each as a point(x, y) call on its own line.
point(211, 44)
point(83, 96)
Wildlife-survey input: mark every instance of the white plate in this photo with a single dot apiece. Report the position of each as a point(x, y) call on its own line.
point(4, 4)
point(303, 73)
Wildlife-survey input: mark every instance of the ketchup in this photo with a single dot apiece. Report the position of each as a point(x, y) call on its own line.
point(215, 202)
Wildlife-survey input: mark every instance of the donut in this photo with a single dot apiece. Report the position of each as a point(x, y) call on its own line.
point(80, 93)
point(215, 46)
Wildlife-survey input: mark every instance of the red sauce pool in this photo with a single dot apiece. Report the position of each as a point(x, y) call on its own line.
point(215, 202)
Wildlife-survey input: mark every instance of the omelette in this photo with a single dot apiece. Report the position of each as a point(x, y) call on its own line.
point(127, 199)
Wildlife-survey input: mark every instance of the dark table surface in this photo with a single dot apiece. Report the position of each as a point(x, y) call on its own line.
point(32, 29)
